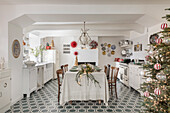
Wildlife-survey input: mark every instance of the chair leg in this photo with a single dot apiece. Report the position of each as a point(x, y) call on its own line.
point(116, 91)
point(58, 94)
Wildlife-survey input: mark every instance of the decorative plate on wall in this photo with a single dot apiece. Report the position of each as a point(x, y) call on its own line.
point(113, 47)
point(112, 52)
point(105, 44)
point(104, 52)
point(109, 54)
point(109, 45)
point(103, 48)
point(16, 48)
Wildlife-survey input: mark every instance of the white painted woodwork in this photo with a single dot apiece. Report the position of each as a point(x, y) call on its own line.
point(134, 77)
point(5, 90)
point(29, 81)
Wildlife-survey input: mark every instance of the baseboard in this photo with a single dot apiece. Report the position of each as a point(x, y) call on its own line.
point(16, 100)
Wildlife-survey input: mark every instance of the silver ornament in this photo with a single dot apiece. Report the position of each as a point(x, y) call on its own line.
point(167, 41)
point(161, 76)
point(142, 73)
point(148, 79)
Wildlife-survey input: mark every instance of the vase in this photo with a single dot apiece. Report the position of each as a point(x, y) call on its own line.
point(76, 62)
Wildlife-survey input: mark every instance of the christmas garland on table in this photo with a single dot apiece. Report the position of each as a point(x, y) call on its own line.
point(86, 70)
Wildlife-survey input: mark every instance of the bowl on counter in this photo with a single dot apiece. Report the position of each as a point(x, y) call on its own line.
point(30, 63)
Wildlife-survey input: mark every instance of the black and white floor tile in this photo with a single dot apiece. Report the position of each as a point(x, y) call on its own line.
point(45, 101)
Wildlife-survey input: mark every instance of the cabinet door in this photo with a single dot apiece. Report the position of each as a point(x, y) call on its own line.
point(33, 79)
point(5, 88)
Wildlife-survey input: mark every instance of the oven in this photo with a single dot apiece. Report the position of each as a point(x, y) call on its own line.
point(124, 73)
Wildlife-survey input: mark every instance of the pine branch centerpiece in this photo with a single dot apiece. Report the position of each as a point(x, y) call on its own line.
point(157, 86)
point(86, 70)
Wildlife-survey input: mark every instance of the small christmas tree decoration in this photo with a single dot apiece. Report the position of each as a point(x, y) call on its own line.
point(159, 41)
point(157, 66)
point(161, 76)
point(146, 94)
point(157, 91)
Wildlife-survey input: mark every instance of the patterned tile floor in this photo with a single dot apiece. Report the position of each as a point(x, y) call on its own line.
point(45, 101)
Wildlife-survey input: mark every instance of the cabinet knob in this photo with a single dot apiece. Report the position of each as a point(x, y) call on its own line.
point(5, 85)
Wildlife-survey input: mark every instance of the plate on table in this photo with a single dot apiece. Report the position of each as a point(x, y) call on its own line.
point(73, 70)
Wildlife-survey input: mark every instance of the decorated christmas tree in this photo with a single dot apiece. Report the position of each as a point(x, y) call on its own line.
point(157, 70)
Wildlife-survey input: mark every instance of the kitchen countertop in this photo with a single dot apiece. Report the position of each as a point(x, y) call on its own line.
point(43, 63)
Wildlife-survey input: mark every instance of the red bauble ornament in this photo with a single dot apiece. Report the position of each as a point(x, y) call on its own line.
point(164, 25)
point(73, 44)
point(147, 57)
point(157, 91)
point(76, 53)
point(146, 94)
point(157, 66)
point(159, 41)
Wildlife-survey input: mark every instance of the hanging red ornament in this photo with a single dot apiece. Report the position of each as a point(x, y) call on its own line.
point(157, 66)
point(147, 57)
point(157, 91)
point(146, 94)
point(164, 25)
point(75, 53)
point(73, 44)
point(159, 41)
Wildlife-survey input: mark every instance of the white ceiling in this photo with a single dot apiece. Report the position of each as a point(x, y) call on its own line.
point(68, 24)
point(84, 2)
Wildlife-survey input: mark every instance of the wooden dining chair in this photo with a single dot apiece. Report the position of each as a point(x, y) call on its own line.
point(66, 67)
point(59, 71)
point(113, 79)
point(108, 71)
point(105, 69)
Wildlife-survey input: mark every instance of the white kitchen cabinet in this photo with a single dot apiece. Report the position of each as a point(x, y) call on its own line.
point(52, 56)
point(29, 80)
point(135, 80)
point(5, 90)
point(45, 72)
point(48, 72)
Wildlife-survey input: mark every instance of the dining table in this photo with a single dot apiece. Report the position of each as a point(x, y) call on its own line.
point(88, 90)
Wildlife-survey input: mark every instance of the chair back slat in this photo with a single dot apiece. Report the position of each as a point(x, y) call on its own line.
point(105, 69)
point(115, 73)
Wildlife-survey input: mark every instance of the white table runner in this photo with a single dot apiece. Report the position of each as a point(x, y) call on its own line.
point(70, 90)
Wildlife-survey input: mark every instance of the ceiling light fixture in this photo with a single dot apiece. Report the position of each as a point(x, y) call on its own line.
point(84, 37)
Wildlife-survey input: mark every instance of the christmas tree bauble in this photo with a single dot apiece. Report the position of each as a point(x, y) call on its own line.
point(142, 73)
point(146, 94)
point(161, 76)
point(157, 66)
point(159, 41)
point(167, 41)
point(147, 57)
point(148, 79)
point(157, 91)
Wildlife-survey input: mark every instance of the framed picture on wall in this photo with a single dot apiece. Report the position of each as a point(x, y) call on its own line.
point(66, 48)
point(138, 47)
point(16, 48)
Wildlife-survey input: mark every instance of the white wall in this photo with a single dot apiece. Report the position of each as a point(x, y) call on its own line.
point(70, 58)
point(15, 32)
point(104, 59)
point(144, 40)
point(10, 12)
